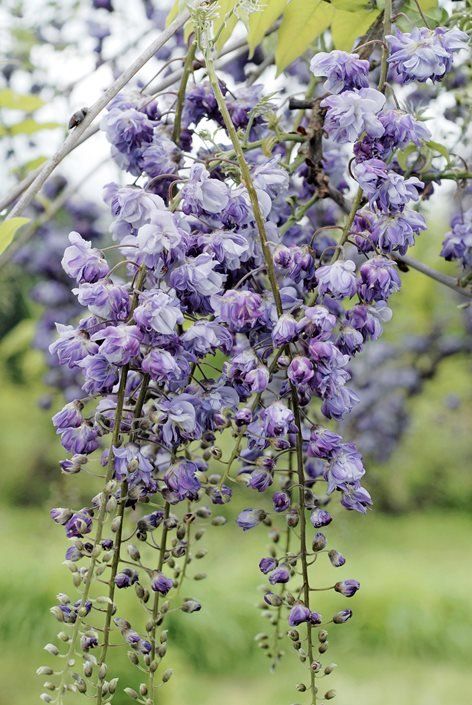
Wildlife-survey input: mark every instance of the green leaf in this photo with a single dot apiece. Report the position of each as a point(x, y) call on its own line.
point(303, 21)
point(8, 229)
point(226, 22)
point(173, 12)
point(19, 101)
point(30, 165)
point(345, 31)
point(352, 5)
point(439, 148)
point(28, 127)
point(260, 22)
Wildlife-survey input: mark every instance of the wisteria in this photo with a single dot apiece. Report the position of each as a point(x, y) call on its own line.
point(211, 346)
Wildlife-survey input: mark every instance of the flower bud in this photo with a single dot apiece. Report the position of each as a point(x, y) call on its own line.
point(319, 542)
point(336, 558)
point(51, 649)
point(348, 588)
point(343, 616)
point(167, 675)
point(132, 693)
point(330, 695)
point(191, 606)
point(133, 552)
point(320, 518)
point(44, 671)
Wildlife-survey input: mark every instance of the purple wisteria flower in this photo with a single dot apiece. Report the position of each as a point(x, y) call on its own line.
point(72, 345)
point(79, 524)
point(238, 309)
point(379, 279)
point(457, 243)
point(161, 584)
point(348, 588)
point(158, 311)
point(345, 467)
point(351, 113)
point(386, 190)
point(182, 481)
point(279, 575)
point(424, 53)
point(202, 194)
point(267, 564)
point(343, 71)
point(394, 232)
point(250, 518)
point(105, 299)
point(320, 518)
point(120, 344)
point(82, 262)
point(400, 130)
point(337, 279)
point(281, 501)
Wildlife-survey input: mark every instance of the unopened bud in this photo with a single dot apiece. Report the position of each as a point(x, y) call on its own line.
point(51, 649)
point(133, 552)
point(330, 695)
point(319, 541)
point(44, 671)
point(132, 693)
point(167, 675)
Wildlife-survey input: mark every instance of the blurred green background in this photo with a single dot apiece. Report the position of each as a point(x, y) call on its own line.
point(411, 636)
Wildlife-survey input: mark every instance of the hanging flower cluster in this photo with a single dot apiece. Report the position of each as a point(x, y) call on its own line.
point(214, 350)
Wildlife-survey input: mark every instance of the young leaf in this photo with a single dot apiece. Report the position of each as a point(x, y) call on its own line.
point(439, 148)
point(345, 31)
point(226, 22)
point(303, 21)
point(173, 12)
point(8, 229)
point(260, 22)
point(19, 101)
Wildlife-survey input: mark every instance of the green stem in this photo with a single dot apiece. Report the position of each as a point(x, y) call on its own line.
point(303, 548)
point(387, 28)
point(187, 70)
point(155, 607)
point(99, 531)
point(246, 178)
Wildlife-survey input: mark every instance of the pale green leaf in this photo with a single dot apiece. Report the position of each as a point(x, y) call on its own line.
point(28, 127)
point(345, 31)
point(439, 148)
point(352, 5)
point(303, 21)
point(19, 101)
point(8, 229)
point(260, 22)
point(173, 12)
point(225, 23)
